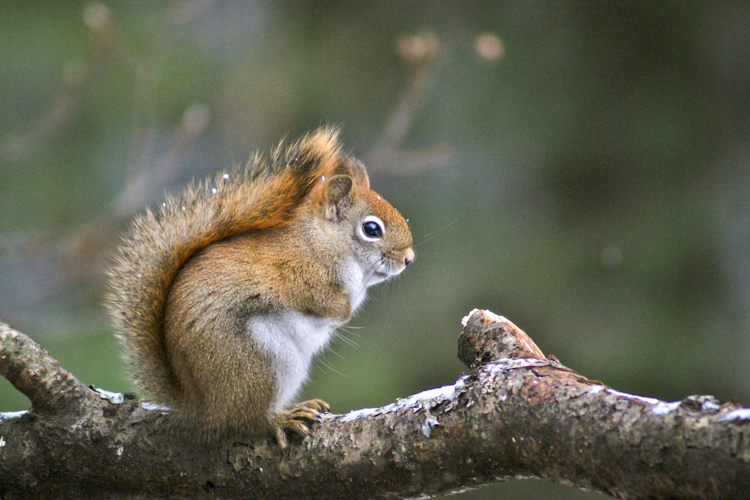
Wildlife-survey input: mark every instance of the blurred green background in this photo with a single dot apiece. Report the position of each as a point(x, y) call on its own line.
point(579, 167)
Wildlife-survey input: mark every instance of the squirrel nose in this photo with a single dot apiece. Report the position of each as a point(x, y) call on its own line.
point(409, 256)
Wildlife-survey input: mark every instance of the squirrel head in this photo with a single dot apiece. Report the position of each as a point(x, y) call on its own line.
point(362, 223)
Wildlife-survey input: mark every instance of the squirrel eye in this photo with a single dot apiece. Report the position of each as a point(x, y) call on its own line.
point(372, 228)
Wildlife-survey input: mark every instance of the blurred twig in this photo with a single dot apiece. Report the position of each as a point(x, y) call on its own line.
point(65, 102)
point(71, 267)
point(431, 57)
point(144, 173)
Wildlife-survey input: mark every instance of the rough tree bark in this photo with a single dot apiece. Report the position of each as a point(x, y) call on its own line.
point(517, 414)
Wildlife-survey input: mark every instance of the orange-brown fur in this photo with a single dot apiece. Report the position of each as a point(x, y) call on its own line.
point(258, 242)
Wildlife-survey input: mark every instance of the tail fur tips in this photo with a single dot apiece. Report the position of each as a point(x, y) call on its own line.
point(321, 146)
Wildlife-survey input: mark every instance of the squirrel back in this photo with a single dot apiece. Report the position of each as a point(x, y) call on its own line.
point(173, 259)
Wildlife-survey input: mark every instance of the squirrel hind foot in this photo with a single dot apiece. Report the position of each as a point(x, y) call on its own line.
point(298, 419)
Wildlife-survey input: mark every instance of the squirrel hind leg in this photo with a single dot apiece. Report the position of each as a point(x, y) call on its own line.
point(298, 418)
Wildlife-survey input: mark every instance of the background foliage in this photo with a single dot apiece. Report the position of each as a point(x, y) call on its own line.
point(579, 167)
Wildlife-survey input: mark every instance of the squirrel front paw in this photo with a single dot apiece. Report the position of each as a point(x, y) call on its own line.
point(298, 418)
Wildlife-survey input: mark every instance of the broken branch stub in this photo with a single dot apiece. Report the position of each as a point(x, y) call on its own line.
point(487, 337)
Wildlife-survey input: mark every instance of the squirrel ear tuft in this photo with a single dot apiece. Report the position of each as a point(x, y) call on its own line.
point(339, 193)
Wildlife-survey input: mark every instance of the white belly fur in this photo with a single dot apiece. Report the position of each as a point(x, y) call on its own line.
point(290, 341)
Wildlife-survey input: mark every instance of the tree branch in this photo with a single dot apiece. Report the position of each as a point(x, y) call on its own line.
point(509, 418)
point(36, 374)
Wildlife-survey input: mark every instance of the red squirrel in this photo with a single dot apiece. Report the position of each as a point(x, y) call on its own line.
point(223, 295)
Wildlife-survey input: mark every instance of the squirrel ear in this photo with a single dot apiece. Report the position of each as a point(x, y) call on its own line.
point(339, 194)
point(360, 173)
point(354, 169)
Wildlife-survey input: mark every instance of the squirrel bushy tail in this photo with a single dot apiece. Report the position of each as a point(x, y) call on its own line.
point(260, 196)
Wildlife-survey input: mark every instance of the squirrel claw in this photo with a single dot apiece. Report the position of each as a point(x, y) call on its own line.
point(289, 424)
point(286, 421)
point(298, 418)
point(309, 411)
point(280, 436)
point(318, 405)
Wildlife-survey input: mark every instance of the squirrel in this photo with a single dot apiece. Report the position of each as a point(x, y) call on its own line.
point(223, 295)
